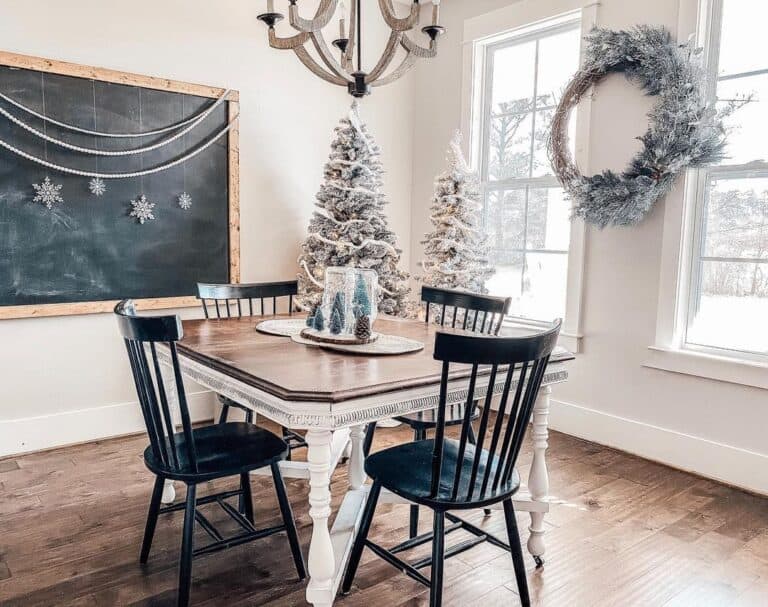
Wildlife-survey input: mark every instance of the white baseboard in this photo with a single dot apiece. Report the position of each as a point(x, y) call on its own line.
point(731, 465)
point(83, 425)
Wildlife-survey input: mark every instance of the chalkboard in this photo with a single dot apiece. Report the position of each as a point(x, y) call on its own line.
point(83, 254)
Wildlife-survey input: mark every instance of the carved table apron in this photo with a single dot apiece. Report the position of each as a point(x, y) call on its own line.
point(334, 429)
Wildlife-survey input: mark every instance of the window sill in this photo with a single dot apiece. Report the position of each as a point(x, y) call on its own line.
point(699, 364)
point(516, 326)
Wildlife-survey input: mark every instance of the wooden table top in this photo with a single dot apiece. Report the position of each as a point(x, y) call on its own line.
point(297, 372)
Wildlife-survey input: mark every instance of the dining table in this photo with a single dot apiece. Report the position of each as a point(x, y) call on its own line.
point(332, 396)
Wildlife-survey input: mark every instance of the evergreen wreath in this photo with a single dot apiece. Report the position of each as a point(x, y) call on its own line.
point(684, 129)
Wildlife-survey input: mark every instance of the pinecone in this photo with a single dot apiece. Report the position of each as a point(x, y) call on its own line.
point(363, 328)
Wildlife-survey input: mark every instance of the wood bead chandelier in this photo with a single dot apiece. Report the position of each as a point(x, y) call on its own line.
point(348, 70)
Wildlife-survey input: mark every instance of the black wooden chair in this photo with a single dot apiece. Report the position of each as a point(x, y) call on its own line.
point(222, 298)
point(195, 456)
point(448, 475)
point(457, 309)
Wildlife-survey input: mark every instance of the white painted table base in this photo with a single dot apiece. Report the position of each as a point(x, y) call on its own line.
point(335, 429)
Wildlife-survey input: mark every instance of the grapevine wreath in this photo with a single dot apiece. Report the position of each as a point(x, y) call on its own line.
point(684, 129)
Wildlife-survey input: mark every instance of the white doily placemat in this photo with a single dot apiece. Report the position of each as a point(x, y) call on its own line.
point(383, 346)
point(282, 326)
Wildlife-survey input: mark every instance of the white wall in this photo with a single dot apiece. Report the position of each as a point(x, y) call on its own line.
point(715, 428)
point(66, 379)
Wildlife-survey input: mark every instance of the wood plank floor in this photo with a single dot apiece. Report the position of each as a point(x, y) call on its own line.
point(622, 532)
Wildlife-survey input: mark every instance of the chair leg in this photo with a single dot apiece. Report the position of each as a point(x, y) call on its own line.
point(471, 437)
point(284, 430)
point(368, 441)
point(413, 520)
point(154, 510)
point(185, 562)
point(246, 496)
point(438, 560)
point(224, 414)
point(517, 553)
point(362, 535)
point(290, 524)
point(249, 416)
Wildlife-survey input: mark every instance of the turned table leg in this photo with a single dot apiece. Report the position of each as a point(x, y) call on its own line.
point(538, 479)
point(357, 457)
point(321, 563)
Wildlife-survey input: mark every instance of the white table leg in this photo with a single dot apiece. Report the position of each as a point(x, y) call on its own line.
point(169, 493)
point(321, 562)
point(357, 457)
point(538, 479)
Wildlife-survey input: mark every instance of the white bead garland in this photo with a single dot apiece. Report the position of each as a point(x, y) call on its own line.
point(156, 169)
point(96, 152)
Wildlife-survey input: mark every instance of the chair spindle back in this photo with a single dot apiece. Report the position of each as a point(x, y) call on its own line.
point(141, 335)
point(524, 360)
point(472, 311)
point(222, 296)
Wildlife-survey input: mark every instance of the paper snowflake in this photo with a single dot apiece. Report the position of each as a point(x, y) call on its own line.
point(47, 193)
point(141, 209)
point(185, 201)
point(97, 186)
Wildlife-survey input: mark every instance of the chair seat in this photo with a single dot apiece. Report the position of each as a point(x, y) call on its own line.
point(223, 450)
point(406, 470)
point(427, 420)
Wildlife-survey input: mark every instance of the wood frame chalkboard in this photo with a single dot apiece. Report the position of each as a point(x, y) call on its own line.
point(162, 84)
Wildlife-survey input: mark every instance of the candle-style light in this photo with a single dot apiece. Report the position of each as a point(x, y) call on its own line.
point(342, 29)
point(270, 17)
point(349, 42)
point(435, 12)
point(435, 29)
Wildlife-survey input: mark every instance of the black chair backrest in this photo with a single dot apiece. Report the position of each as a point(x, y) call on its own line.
point(141, 334)
point(498, 446)
point(225, 293)
point(474, 312)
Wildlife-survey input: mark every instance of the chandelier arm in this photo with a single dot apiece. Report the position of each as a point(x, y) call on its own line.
point(400, 25)
point(290, 43)
point(322, 16)
point(386, 57)
point(316, 69)
point(325, 53)
point(399, 72)
point(419, 51)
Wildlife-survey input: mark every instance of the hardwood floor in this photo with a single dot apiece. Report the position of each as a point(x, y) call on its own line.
point(622, 532)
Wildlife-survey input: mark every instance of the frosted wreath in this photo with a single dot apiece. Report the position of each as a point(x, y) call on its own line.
point(684, 129)
point(77, 129)
point(96, 152)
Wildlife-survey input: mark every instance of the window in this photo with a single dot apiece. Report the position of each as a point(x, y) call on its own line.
point(525, 212)
point(725, 302)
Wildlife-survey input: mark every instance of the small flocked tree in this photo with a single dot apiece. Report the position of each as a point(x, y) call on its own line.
point(456, 251)
point(361, 303)
point(349, 226)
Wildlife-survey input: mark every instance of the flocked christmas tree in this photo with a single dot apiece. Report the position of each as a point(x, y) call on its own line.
point(349, 227)
point(456, 250)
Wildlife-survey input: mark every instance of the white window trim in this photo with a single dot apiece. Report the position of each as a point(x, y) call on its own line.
point(478, 32)
point(667, 353)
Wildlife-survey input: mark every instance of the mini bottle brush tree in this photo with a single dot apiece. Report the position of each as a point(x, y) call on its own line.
point(349, 226)
point(456, 251)
point(338, 317)
point(361, 302)
point(318, 320)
